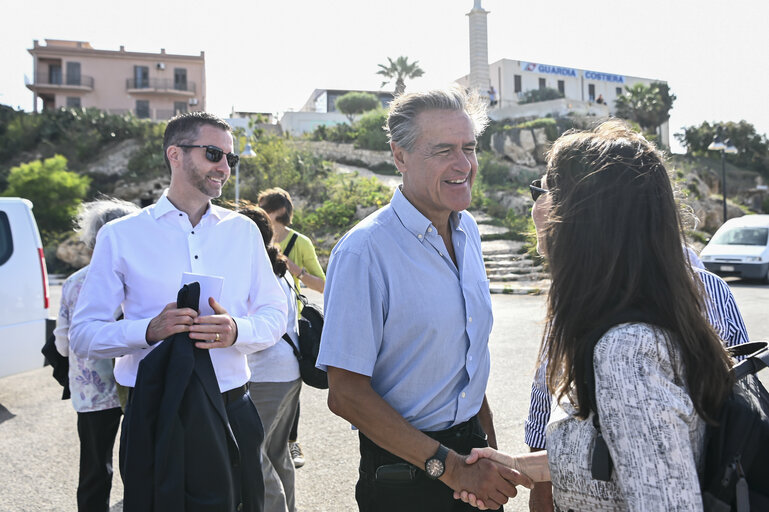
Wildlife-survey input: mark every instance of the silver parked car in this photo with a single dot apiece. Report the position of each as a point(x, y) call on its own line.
point(740, 248)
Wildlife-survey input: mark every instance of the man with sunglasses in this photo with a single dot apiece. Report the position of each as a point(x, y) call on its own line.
point(138, 264)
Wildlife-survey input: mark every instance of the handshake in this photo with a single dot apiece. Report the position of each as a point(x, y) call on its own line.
point(502, 473)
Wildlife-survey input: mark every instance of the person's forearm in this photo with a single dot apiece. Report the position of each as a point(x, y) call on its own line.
point(486, 419)
point(352, 397)
point(534, 465)
point(313, 282)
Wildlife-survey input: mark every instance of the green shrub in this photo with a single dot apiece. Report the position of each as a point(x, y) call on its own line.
point(277, 164)
point(548, 123)
point(337, 213)
point(370, 133)
point(521, 226)
point(341, 133)
point(54, 191)
point(536, 95)
point(492, 171)
point(356, 103)
point(77, 134)
point(148, 160)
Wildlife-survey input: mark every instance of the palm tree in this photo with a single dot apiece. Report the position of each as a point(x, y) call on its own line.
point(647, 105)
point(400, 69)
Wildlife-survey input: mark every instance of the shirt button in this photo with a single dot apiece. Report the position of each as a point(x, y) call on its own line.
point(419, 236)
point(193, 232)
point(470, 358)
point(196, 256)
point(463, 394)
point(180, 215)
point(470, 319)
point(429, 230)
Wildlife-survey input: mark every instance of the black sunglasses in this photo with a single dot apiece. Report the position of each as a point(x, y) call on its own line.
point(536, 189)
point(214, 154)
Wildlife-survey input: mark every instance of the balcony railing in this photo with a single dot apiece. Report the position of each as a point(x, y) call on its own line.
point(63, 80)
point(160, 84)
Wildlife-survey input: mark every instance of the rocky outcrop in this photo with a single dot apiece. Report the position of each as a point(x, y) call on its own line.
point(115, 161)
point(142, 193)
point(522, 146)
point(347, 154)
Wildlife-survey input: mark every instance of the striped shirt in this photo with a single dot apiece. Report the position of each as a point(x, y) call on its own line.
point(723, 315)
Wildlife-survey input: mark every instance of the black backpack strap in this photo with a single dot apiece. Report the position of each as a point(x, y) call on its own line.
point(602, 465)
point(290, 244)
point(299, 295)
point(287, 339)
point(758, 358)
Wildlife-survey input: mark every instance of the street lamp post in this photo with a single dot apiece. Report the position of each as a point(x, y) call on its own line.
point(247, 153)
point(724, 146)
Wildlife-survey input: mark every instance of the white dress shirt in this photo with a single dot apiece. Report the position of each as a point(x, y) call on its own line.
point(138, 262)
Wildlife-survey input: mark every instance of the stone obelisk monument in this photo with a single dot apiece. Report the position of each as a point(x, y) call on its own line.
point(479, 49)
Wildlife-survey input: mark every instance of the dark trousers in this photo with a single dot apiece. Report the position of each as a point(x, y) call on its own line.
point(97, 431)
point(401, 486)
point(294, 434)
point(249, 433)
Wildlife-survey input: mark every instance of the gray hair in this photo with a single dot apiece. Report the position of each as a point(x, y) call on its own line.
point(92, 216)
point(401, 126)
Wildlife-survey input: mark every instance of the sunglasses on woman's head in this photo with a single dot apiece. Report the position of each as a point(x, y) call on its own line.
point(214, 154)
point(536, 189)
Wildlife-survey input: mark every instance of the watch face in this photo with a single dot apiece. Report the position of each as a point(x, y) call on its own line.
point(434, 468)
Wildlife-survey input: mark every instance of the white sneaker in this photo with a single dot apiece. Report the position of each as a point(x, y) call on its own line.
point(296, 454)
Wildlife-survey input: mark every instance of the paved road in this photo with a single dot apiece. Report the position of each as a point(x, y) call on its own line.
point(38, 438)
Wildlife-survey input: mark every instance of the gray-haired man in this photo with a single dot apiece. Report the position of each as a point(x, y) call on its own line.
point(408, 317)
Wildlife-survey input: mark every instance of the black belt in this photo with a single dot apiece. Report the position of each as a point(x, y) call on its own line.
point(234, 394)
point(460, 430)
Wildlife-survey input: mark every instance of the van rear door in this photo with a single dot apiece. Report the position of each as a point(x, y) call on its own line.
point(24, 296)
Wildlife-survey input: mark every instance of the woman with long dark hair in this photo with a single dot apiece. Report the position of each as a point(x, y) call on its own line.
point(608, 224)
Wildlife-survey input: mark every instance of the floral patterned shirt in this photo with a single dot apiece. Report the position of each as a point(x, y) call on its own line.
point(91, 381)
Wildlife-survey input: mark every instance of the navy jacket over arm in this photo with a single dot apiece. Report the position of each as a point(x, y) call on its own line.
point(179, 452)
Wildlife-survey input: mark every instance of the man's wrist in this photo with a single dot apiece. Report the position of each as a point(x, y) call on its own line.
point(453, 463)
point(236, 330)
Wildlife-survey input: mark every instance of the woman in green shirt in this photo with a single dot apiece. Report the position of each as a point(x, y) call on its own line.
point(302, 260)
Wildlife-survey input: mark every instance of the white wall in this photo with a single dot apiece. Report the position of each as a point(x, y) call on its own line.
point(297, 123)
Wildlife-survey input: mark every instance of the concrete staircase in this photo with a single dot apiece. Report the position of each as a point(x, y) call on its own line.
point(508, 267)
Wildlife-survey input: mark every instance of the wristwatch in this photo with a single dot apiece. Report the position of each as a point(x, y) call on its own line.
point(436, 465)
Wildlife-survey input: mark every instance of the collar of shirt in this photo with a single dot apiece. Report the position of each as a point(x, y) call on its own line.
point(164, 206)
point(413, 220)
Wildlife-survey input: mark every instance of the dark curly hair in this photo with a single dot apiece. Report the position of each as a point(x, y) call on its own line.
point(262, 221)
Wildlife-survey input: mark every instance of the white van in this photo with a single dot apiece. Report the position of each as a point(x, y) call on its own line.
point(24, 298)
point(740, 248)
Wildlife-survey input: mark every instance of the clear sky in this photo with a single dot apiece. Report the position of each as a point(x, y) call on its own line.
point(268, 56)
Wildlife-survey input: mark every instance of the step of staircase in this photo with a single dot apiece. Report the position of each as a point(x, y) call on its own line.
point(510, 270)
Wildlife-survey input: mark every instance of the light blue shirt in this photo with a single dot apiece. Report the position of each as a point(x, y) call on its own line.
point(397, 309)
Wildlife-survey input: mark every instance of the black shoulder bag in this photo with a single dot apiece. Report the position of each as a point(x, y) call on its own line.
point(310, 329)
point(736, 469)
